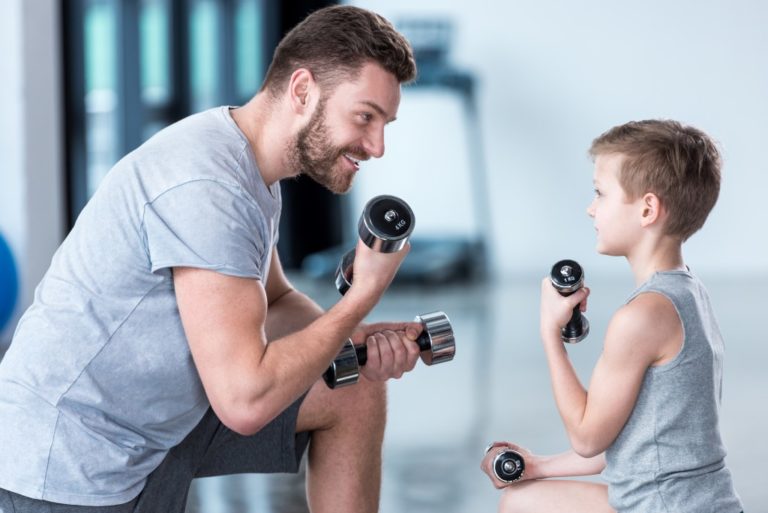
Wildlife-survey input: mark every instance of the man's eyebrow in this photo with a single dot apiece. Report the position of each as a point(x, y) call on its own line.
point(378, 109)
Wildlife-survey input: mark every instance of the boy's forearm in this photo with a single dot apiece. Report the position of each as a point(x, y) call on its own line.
point(570, 395)
point(569, 464)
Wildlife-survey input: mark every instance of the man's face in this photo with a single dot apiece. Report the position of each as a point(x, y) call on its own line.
point(347, 127)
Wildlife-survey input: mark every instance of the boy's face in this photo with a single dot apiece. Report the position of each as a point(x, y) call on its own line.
point(616, 219)
point(347, 127)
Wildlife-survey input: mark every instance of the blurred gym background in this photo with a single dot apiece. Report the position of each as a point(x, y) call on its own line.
point(490, 151)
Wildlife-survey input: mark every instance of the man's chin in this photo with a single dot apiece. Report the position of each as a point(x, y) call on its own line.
point(339, 188)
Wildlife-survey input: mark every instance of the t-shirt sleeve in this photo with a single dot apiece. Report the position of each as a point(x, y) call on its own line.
point(208, 225)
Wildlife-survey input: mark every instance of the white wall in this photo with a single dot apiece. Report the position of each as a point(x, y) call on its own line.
point(556, 74)
point(31, 197)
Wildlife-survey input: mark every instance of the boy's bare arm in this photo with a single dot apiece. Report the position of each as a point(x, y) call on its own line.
point(645, 332)
point(566, 464)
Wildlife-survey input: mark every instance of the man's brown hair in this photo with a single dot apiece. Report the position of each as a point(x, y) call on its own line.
point(680, 164)
point(334, 43)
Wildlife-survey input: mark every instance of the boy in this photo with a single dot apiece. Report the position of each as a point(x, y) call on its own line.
point(650, 419)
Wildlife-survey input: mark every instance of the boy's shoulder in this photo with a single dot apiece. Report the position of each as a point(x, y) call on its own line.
point(648, 327)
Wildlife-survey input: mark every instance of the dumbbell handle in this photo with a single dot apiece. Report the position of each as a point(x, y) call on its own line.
point(362, 351)
point(436, 343)
point(574, 324)
point(567, 277)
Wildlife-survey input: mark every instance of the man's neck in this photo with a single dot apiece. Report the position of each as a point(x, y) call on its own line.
point(268, 131)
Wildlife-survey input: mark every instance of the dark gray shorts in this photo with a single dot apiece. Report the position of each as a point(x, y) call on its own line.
point(211, 449)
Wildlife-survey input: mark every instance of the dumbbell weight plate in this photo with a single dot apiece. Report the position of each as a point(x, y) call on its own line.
point(567, 276)
point(345, 369)
point(386, 223)
point(436, 342)
point(384, 226)
point(508, 466)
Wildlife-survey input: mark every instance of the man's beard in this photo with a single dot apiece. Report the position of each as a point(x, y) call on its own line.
point(314, 155)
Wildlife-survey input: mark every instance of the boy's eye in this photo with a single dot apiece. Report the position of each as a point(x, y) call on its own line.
point(597, 192)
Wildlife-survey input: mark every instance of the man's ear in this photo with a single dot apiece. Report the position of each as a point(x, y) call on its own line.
point(652, 209)
point(300, 90)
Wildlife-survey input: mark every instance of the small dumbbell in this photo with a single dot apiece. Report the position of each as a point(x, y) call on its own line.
point(567, 277)
point(436, 343)
point(508, 465)
point(384, 226)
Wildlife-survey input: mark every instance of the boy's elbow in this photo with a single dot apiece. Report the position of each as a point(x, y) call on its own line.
point(585, 450)
point(587, 447)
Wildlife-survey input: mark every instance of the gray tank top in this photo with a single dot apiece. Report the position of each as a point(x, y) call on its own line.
point(669, 457)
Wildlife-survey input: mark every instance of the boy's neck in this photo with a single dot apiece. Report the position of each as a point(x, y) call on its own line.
point(665, 255)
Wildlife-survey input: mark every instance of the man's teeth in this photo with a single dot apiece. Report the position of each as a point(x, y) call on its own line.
point(356, 161)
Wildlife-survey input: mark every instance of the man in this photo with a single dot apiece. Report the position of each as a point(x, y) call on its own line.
point(165, 343)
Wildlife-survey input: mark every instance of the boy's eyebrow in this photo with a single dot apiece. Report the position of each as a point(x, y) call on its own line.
point(379, 110)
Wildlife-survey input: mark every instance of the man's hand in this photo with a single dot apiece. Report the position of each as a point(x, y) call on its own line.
point(373, 272)
point(391, 346)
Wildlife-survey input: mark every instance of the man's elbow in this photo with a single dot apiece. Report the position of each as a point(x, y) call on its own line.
point(243, 421)
point(244, 414)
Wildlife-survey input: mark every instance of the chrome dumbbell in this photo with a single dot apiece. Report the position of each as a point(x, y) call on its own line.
point(436, 342)
point(508, 465)
point(384, 226)
point(567, 277)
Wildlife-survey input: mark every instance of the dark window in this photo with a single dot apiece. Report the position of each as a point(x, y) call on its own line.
point(133, 67)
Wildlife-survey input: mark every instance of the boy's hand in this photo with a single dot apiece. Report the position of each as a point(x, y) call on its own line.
point(391, 346)
point(496, 448)
point(556, 310)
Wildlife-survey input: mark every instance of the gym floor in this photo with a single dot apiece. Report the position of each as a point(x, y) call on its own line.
point(497, 388)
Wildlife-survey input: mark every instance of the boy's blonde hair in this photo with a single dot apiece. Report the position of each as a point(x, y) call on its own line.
point(680, 164)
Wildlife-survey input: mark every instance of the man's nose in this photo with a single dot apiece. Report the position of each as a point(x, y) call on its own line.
point(374, 143)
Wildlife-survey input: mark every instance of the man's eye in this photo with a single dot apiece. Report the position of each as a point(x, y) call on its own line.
point(366, 116)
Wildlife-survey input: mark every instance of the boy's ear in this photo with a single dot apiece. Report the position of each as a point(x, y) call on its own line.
point(652, 209)
point(299, 86)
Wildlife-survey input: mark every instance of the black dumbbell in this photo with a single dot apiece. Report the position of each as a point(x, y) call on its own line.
point(384, 226)
point(436, 342)
point(567, 277)
point(508, 465)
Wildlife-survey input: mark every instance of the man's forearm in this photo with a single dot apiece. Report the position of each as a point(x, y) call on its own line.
point(291, 312)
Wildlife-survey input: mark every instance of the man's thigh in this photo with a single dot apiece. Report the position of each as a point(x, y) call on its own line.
point(14, 503)
point(212, 449)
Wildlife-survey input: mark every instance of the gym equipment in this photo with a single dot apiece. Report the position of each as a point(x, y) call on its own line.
point(508, 465)
point(436, 342)
point(384, 226)
point(9, 284)
point(567, 277)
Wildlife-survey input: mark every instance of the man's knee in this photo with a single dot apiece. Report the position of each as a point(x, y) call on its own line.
point(364, 402)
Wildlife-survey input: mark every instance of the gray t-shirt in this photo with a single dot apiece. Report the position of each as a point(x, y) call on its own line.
point(99, 382)
point(669, 457)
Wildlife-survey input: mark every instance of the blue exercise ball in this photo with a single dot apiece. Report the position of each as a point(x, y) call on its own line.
point(9, 283)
